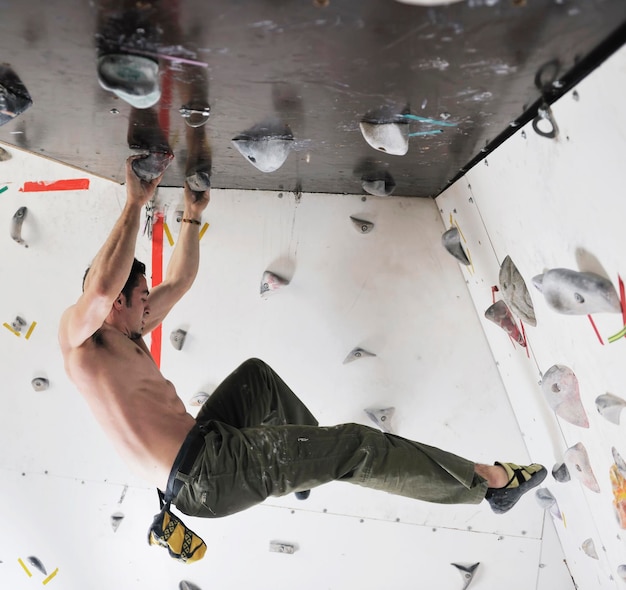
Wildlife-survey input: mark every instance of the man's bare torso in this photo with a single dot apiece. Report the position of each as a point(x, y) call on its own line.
point(137, 407)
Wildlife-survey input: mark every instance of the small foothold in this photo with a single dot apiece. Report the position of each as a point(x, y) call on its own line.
point(195, 117)
point(610, 407)
point(577, 461)
point(36, 563)
point(515, 293)
point(40, 383)
point(544, 497)
point(621, 571)
point(589, 548)
point(577, 293)
point(451, 241)
point(560, 472)
point(199, 398)
point(382, 418)
point(116, 520)
point(4, 155)
point(18, 323)
point(272, 282)
point(356, 354)
point(16, 225)
point(501, 315)
point(467, 572)
point(278, 547)
point(363, 227)
point(177, 338)
point(560, 388)
point(185, 585)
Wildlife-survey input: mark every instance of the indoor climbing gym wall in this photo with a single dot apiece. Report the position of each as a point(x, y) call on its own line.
point(537, 229)
point(355, 303)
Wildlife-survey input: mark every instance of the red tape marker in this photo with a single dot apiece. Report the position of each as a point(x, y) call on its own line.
point(157, 278)
point(72, 184)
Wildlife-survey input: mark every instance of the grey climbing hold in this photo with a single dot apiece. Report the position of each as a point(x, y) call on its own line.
point(610, 407)
point(4, 155)
point(381, 417)
point(279, 547)
point(18, 323)
point(40, 383)
point(265, 145)
point(16, 225)
point(577, 293)
point(621, 571)
point(515, 293)
point(185, 585)
point(560, 388)
point(379, 184)
point(195, 117)
point(271, 282)
point(589, 547)
point(362, 226)
point(548, 502)
point(560, 472)
point(199, 398)
point(577, 461)
point(116, 520)
point(619, 462)
point(14, 98)
point(390, 138)
point(177, 338)
point(36, 563)
point(134, 78)
point(357, 353)
point(152, 165)
point(451, 241)
point(501, 315)
point(467, 572)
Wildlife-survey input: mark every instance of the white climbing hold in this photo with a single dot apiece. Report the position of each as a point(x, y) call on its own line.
point(560, 388)
point(589, 547)
point(467, 572)
point(577, 461)
point(177, 338)
point(610, 407)
point(40, 383)
point(199, 398)
point(362, 226)
point(391, 138)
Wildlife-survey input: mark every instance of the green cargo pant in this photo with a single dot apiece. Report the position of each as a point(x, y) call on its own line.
point(260, 440)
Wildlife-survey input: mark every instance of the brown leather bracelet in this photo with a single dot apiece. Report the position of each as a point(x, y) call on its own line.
point(194, 221)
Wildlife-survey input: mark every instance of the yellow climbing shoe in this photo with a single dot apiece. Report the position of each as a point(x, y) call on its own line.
point(521, 479)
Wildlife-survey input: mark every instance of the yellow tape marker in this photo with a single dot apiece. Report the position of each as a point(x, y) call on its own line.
point(30, 330)
point(54, 573)
point(168, 234)
point(617, 336)
point(203, 230)
point(19, 559)
point(11, 330)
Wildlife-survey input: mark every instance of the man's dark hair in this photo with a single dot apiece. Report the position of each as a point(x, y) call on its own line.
point(137, 270)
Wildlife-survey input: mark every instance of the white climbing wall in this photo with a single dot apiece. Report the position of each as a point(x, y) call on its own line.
point(394, 292)
point(550, 203)
point(455, 379)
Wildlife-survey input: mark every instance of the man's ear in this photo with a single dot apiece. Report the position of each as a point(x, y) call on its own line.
point(120, 302)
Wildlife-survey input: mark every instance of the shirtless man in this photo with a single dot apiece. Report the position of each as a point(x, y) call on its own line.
point(253, 438)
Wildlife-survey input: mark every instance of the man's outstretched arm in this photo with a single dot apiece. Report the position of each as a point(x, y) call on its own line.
point(183, 266)
point(110, 268)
